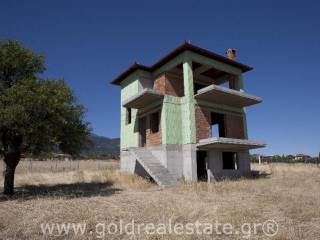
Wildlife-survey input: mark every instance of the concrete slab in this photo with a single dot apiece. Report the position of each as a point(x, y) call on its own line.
point(230, 144)
point(143, 99)
point(226, 96)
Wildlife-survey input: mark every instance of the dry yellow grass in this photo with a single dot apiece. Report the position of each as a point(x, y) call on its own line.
point(27, 166)
point(288, 194)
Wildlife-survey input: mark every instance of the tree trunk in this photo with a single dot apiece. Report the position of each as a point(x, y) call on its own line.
point(11, 160)
point(9, 180)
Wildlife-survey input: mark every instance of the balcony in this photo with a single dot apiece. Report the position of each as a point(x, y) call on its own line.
point(143, 99)
point(226, 96)
point(230, 144)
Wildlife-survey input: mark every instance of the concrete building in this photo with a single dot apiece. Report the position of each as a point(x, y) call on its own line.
point(184, 117)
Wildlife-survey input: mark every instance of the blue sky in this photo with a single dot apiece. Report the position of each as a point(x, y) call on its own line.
point(88, 43)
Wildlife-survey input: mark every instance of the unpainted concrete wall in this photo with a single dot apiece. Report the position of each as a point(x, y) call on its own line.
point(215, 165)
point(179, 159)
point(171, 156)
point(127, 161)
point(214, 161)
point(244, 161)
point(181, 162)
point(189, 162)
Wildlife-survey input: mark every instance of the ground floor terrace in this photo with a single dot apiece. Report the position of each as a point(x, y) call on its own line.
point(209, 160)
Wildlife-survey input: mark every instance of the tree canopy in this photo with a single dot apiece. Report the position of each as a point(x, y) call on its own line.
point(18, 63)
point(43, 115)
point(36, 115)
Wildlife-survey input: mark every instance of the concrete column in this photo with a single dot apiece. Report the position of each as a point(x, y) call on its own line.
point(214, 161)
point(188, 108)
point(240, 87)
point(244, 161)
point(189, 162)
point(188, 79)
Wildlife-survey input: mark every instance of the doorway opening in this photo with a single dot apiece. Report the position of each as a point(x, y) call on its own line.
point(143, 131)
point(154, 122)
point(202, 166)
point(217, 125)
point(230, 160)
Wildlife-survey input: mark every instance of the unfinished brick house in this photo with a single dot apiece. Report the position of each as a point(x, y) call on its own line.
point(184, 117)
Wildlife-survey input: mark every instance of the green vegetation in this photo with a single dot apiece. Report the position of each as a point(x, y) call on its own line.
point(101, 147)
point(284, 159)
point(36, 115)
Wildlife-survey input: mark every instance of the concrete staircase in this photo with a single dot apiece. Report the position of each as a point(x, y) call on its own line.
point(154, 168)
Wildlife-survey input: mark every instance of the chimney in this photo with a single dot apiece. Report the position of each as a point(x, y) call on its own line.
point(231, 54)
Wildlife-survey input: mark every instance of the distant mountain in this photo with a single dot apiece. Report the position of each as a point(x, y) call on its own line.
point(102, 146)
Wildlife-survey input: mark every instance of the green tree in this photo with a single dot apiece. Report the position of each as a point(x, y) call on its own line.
point(36, 115)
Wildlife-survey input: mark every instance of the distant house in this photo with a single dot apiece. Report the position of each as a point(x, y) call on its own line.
point(301, 156)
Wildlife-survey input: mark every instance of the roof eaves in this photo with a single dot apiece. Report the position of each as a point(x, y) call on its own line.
point(183, 47)
point(128, 71)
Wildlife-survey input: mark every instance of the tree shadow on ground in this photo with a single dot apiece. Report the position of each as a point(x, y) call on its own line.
point(67, 191)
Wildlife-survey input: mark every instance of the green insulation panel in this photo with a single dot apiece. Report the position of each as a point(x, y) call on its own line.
point(129, 132)
point(188, 105)
point(171, 120)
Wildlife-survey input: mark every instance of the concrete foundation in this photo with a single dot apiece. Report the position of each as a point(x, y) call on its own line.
point(215, 165)
point(181, 162)
point(127, 161)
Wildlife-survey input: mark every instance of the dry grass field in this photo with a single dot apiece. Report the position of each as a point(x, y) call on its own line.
point(96, 194)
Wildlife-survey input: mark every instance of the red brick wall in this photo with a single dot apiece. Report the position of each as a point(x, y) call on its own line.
point(153, 138)
point(203, 123)
point(160, 83)
point(174, 85)
point(169, 84)
point(234, 126)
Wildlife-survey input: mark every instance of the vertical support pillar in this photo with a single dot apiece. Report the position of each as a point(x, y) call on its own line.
point(244, 161)
point(188, 110)
point(188, 123)
point(188, 78)
point(239, 86)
